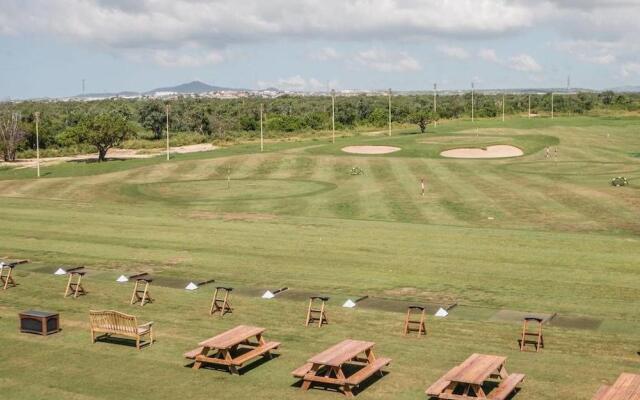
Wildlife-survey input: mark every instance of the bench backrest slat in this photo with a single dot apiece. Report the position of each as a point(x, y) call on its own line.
point(114, 321)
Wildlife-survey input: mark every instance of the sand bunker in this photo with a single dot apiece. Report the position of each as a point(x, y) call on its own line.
point(499, 151)
point(370, 149)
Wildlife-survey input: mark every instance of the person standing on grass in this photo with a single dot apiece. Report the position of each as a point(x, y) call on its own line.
point(422, 185)
point(547, 154)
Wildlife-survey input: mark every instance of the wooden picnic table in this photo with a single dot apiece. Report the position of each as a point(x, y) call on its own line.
point(328, 367)
point(466, 380)
point(232, 348)
point(626, 387)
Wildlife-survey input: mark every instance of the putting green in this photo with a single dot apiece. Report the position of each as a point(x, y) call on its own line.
point(219, 190)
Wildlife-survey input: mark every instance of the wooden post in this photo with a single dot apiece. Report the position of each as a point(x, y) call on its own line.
point(435, 104)
point(472, 102)
point(389, 111)
point(38, 143)
point(261, 131)
point(333, 115)
point(503, 99)
point(167, 111)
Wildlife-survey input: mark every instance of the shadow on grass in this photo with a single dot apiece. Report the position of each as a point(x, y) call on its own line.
point(121, 341)
point(95, 160)
point(241, 371)
point(348, 370)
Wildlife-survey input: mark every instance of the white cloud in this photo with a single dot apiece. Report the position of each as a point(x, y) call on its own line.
point(325, 54)
point(169, 59)
point(171, 23)
point(385, 61)
point(457, 53)
point(631, 69)
point(520, 62)
point(298, 83)
point(176, 26)
point(489, 55)
point(524, 63)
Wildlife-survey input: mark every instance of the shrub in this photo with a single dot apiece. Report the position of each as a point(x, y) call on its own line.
point(619, 181)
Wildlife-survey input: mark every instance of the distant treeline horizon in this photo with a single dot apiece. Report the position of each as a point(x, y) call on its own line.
point(230, 119)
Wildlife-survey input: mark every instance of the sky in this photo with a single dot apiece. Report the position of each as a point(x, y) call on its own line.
point(47, 47)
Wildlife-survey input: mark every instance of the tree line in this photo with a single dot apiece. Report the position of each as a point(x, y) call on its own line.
point(107, 123)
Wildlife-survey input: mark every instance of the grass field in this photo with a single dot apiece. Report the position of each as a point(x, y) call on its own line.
point(528, 234)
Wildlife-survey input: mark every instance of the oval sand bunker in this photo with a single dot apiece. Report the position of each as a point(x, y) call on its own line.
point(499, 151)
point(370, 149)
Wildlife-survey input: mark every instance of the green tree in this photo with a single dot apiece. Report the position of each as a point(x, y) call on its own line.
point(422, 119)
point(152, 116)
point(104, 131)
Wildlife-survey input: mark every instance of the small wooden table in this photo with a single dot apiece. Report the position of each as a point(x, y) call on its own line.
point(39, 322)
point(626, 387)
point(232, 348)
point(466, 380)
point(328, 366)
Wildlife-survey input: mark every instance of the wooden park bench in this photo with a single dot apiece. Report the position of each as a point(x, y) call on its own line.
point(232, 348)
point(116, 323)
point(626, 387)
point(328, 366)
point(466, 380)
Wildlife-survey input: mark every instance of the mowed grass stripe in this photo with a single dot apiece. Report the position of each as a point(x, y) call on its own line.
point(439, 195)
point(401, 207)
point(519, 201)
point(294, 168)
point(531, 204)
point(596, 215)
point(408, 186)
point(471, 203)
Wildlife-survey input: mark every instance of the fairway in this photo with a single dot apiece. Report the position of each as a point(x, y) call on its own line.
point(539, 233)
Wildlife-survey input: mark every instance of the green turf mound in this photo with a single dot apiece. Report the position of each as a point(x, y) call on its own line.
point(219, 190)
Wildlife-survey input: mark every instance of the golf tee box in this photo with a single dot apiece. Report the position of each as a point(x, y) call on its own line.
point(270, 295)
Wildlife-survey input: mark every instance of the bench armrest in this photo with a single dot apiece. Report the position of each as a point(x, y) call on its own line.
point(146, 324)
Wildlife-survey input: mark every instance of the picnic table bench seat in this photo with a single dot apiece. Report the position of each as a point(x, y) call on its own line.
point(626, 387)
point(191, 354)
point(437, 387)
point(602, 392)
point(505, 387)
point(368, 370)
point(258, 351)
point(300, 372)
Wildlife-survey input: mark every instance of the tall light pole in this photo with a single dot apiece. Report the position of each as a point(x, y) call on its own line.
point(529, 105)
point(38, 143)
point(435, 104)
point(551, 105)
point(333, 116)
point(389, 111)
point(503, 98)
point(472, 102)
point(261, 131)
point(167, 112)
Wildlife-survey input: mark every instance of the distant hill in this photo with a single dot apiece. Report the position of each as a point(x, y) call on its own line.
point(626, 89)
point(191, 87)
point(195, 87)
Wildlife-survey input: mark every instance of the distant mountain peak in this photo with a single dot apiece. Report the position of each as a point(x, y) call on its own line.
point(191, 87)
